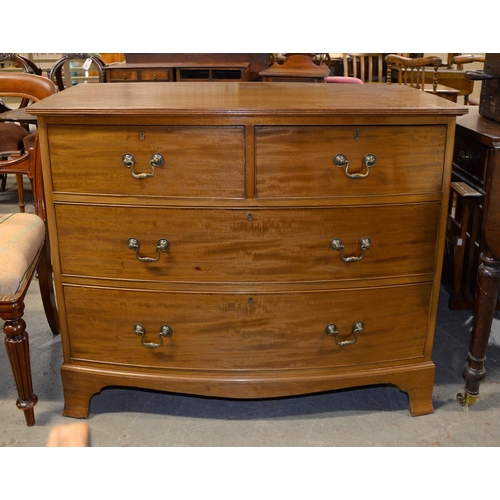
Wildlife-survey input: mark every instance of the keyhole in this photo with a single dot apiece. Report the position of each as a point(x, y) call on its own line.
point(142, 136)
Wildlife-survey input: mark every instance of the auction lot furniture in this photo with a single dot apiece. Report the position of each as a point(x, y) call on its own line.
point(256, 61)
point(247, 240)
point(488, 273)
point(24, 250)
point(484, 147)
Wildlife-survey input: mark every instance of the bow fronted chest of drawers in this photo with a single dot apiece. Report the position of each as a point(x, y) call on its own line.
point(246, 240)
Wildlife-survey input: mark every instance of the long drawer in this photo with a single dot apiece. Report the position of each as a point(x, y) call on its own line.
point(218, 331)
point(207, 162)
point(259, 245)
point(301, 161)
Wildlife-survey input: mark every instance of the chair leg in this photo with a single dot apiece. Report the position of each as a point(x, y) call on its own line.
point(17, 345)
point(4, 182)
point(47, 290)
point(20, 192)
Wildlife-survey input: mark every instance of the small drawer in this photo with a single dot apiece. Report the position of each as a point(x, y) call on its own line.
point(170, 161)
point(470, 159)
point(258, 245)
point(156, 75)
point(123, 75)
point(318, 162)
point(224, 331)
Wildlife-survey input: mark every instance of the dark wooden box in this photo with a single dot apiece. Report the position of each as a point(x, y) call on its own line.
point(489, 105)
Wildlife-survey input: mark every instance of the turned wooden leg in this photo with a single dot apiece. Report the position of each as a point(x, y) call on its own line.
point(20, 192)
point(47, 290)
point(17, 345)
point(488, 286)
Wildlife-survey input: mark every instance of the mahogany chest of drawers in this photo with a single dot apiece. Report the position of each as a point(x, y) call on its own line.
point(246, 240)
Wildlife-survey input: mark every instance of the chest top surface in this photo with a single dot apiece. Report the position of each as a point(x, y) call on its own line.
point(243, 98)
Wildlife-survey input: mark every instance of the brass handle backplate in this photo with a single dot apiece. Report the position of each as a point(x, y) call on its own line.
point(465, 156)
point(342, 162)
point(162, 246)
point(357, 328)
point(364, 243)
point(157, 160)
point(165, 331)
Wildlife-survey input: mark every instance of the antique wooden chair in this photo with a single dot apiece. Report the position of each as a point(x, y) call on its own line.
point(15, 62)
point(462, 59)
point(366, 67)
point(25, 64)
point(24, 249)
point(60, 72)
point(296, 68)
point(15, 141)
point(411, 71)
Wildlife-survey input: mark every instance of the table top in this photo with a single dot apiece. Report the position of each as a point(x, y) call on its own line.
point(244, 98)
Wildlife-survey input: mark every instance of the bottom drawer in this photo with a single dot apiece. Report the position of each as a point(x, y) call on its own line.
point(260, 331)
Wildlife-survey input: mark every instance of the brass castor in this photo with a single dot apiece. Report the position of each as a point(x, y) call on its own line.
point(466, 399)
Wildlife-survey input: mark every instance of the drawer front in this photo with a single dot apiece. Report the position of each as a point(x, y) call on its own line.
point(258, 245)
point(300, 161)
point(470, 160)
point(244, 332)
point(205, 162)
point(156, 75)
point(121, 75)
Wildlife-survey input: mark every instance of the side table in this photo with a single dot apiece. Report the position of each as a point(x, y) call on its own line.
point(487, 132)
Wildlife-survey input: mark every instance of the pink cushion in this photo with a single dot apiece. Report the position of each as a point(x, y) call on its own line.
point(342, 79)
point(21, 237)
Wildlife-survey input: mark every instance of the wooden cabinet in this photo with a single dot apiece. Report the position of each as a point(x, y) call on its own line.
point(178, 72)
point(247, 240)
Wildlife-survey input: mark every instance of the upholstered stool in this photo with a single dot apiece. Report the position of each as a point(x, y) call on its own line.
point(22, 239)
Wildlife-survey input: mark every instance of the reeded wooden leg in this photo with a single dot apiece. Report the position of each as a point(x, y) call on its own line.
point(488, 286)
point(17, 345)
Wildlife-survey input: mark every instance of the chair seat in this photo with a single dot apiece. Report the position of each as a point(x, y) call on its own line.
point(21, 237)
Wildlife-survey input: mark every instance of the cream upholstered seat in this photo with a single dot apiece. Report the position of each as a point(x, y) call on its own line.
point(21, 237)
